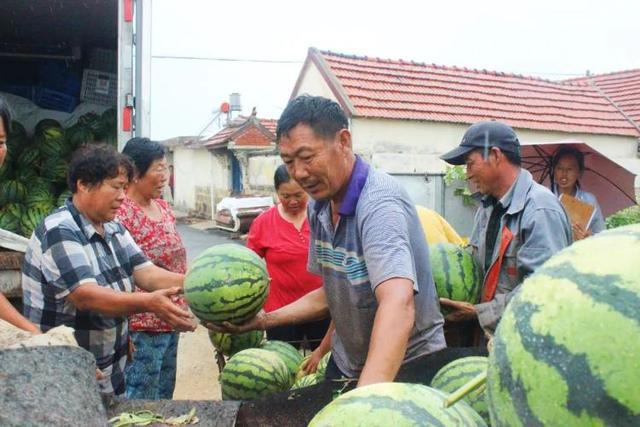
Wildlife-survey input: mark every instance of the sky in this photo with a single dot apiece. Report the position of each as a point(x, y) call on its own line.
point(551, 39)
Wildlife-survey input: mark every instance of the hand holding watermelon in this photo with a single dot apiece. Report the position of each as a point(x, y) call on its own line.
point(461, 310)
point(161, 305)
point(256, 323)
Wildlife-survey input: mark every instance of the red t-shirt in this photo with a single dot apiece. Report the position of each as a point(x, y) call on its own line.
point(285, 249)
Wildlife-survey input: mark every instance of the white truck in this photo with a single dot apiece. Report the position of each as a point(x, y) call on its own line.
point(61, 59)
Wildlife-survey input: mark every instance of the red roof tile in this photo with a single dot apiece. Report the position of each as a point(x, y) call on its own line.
point(244, 130)
point(381, 88)
point(622, 87)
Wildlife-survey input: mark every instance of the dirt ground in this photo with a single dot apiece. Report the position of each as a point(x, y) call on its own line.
point(197, 372)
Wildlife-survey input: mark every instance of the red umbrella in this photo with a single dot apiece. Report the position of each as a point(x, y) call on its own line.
point(611, 183)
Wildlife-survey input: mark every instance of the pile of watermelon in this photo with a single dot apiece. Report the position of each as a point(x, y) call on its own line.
point(33, 179)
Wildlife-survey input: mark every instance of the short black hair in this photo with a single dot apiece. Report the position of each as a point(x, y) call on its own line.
point(91, 164)
point(281, 176)
point(143, 152)
point(513, 157)
point(323, 115)
point(568, 151)
point(5, 115)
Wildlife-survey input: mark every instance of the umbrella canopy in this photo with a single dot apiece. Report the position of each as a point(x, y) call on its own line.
point(611, 183)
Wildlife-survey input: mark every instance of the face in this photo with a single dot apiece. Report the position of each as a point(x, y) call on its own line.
point(482, 173)
point(292, 197)
point(3, 143)
point(104, 199)
point(322, 167)
point(153, 181)
point(566, 173)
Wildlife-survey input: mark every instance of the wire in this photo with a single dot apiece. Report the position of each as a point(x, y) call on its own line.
point(209, 58)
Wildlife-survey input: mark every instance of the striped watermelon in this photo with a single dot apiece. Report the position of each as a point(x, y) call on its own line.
point(32, 218)
point(230, 344)
point(455, 273)
point(12, 191)
point(288, 353)
point(9, 222)
point(457, 373)
point(226, 283)
point(55, 170)
point(39, 196)
point(567, 350)
point(28, 159)
point(322, 365)
point(253, 373)
point(306, 381)
point(45, 124)
point(62, 198)
point(397, 405)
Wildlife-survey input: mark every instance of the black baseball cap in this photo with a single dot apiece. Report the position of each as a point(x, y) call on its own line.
point(481, 135)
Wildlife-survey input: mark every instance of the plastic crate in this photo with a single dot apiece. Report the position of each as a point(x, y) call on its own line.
point(59, 77)
point(99, 87)
point(25, 91)
point(54, 100)
point(103, 60)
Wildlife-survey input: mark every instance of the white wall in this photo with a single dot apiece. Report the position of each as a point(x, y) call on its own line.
point(261, 170)
point(314, 84)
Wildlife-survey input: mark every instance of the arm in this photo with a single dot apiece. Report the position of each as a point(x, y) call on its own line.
point(392, 326)
point(312, 306)
point(91, 297)
point(13, 316)
point(152, 278)
point(325, 346)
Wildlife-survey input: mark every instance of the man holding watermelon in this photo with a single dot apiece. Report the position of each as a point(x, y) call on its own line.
point(519, 225)
point(368, 246)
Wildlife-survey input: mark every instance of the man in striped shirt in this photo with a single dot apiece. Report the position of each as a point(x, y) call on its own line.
point(80, 267)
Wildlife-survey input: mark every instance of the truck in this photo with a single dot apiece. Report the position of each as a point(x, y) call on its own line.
point(70, 66)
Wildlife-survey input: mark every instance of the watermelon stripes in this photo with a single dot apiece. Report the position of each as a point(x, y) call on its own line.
point(455, 273)
point(253, 373)
point(567, 349)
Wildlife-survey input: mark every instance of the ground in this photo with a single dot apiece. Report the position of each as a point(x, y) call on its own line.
point(197, 373)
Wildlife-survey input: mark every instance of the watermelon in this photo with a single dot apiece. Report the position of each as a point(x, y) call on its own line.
point(78, 135)
point(226, 282)
point(322, 365)
point(230, 344)
point(16, 139)
point(39, 196)
point(288, 353)
point(306, 381)
point(300, 372)
point(455, 273)
point(45, 124)
point(12, 191)
point(62, 198)
point(9, 222)
point(55, 170)
point(32, 218)
point(459, 372)
point(567, 349)
point(394, 404)
point(253, 373)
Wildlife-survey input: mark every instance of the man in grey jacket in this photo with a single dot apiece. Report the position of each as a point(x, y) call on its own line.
point(519, 225)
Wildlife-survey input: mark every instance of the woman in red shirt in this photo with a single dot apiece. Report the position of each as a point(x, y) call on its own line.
point(151, 374)
point(281, 236)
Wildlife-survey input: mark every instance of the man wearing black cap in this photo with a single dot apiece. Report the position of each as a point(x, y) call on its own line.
point(519, 225)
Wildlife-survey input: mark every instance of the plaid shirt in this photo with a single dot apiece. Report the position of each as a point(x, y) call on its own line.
point(65, 252)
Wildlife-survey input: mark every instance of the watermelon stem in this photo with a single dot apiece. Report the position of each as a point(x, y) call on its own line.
point(476, 382)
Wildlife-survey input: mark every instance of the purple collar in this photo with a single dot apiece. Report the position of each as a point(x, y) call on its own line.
point(356, 183)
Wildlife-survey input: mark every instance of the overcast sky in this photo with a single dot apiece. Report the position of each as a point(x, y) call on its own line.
point(553, 39)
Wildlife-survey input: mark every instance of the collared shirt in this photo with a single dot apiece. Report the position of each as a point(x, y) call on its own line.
point(66, 252)
point(378, 237)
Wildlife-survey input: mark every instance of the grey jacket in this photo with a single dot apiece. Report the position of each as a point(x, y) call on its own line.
point(540, 228)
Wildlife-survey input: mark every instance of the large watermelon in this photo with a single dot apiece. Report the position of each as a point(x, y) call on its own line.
point(455, 273)
point(567, 350)
point(288, 353)
point(32, 218)
point(230, 344)
point(226, 283)
point(253, 373)
point(306, 381)
point(9, 222)
point(39, 196)
point(397, 405)
point(322, 365)
point(45, 124)
point(12, 191)
point(459, 372)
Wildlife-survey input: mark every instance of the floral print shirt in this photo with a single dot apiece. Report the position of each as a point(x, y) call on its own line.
point(161, 243)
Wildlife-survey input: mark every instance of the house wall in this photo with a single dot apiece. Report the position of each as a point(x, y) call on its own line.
point(260, 173)
point(314, 84)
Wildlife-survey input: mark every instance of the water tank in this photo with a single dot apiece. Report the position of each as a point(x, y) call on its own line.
point(234, 100)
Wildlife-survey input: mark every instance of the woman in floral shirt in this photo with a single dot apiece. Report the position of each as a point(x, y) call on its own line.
point(151, 374)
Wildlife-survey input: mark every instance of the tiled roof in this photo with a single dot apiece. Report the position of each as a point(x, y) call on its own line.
point(396, 89)
point(245, 130)
point(623, 88)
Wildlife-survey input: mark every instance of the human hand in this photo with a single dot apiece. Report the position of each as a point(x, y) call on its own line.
point(310, 365)
point(461, 310)
point(256, 323)
point(162, 306)
point(579, 232)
